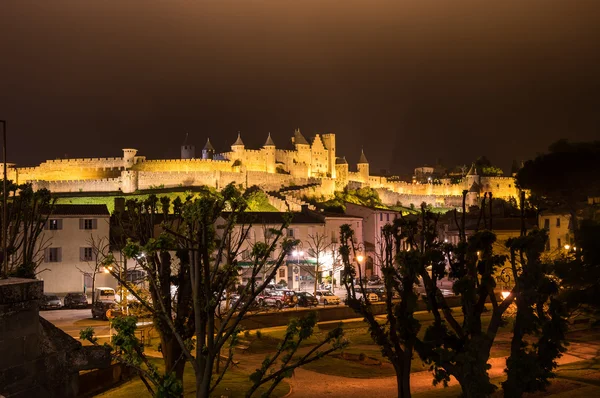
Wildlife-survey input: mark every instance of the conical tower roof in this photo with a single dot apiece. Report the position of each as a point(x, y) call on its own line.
point(269, 141)
point(239, 141)
point(208, 146)
point(363, 158)
point(299, 138)
point(341, 160)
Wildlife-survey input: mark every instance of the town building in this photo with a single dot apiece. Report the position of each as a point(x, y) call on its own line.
point(374, 219)
point(70, 244)
point(558, 226)
point(318, 235)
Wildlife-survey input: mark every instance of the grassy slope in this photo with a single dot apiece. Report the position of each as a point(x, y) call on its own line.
point(258, 202)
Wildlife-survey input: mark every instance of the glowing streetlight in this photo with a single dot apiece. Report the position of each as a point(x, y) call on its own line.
point(360, 258)
point(567, 247)
point(505, 294)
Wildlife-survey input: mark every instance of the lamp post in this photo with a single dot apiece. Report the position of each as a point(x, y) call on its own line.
point(297, 254)
point(4, 209)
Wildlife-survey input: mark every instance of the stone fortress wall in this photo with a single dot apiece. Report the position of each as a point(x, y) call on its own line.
point(312, 169)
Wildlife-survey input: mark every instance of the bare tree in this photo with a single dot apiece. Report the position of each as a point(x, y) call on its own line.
point(317, 248)
point(28, 212)
point(100, 258)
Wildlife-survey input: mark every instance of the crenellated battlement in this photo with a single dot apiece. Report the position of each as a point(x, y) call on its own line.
point(313, 169)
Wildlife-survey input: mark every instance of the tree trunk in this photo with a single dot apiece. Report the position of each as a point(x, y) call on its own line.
point(203, 380)
point(173, 356)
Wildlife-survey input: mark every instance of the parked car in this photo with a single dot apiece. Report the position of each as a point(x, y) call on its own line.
point(105, 306)
point(50, 302)
point(75, 300)
point(306, 299)
point(374, 280)
point(280, 299)
point(371, 297)
point(326, 297)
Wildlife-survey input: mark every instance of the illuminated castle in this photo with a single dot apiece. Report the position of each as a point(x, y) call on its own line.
point(309, 169)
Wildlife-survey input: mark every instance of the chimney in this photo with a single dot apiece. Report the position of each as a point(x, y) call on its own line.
point(304, 208)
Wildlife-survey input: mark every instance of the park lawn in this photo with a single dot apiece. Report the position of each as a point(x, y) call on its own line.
point(234, 384)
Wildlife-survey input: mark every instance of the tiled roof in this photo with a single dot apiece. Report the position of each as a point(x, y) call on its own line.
point(363, 158)
point(208, 145)
point(268, 217)
point(299, 138)
point(80, 210)
point(269, 141)
point(238, 141)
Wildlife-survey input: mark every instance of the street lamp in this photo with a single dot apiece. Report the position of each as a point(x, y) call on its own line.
point(567, 247)
point(297, 254)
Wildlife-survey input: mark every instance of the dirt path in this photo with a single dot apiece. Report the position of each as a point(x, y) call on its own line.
point(307, 384)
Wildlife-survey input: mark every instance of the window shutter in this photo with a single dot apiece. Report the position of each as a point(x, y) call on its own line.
point(46, 254)
point(95, 223)
point(81, 223)
point(82, 254)
point(59, 254)
point(47, 224)
point(59, 223)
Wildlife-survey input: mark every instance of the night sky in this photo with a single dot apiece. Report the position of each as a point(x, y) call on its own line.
point(411, 81)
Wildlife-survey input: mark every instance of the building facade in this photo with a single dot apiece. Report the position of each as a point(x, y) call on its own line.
point(71, 239)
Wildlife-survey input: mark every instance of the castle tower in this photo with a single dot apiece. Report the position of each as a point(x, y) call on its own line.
point(341, 171)
point(129, 157)
point(329, 142)
point(269, 150)
point(302, 148)
point(208, 152)
point(188, 151)
point(472, 177)
point(363, 167)
point(238, 145)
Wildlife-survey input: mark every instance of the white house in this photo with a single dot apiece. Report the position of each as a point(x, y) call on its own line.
point(308, 227)
point(71, 238)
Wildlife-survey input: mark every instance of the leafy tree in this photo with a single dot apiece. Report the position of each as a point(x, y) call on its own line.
point(563, 177)
point(540, 315)
point(128, 350)
point(137, 235)
point(579, 271)
point(397, 336)
point(458, 349)
point(206, 238)
point(28, 211)
point(486, 168)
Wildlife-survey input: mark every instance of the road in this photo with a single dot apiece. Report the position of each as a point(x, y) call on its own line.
point(72, 321)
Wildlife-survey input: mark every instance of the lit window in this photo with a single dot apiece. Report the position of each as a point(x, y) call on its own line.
point(54, 224)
